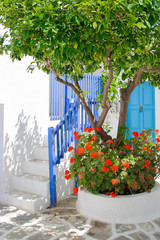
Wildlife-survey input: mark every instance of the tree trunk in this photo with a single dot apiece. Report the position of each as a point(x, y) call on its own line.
point(104, 135)
point(124, 100)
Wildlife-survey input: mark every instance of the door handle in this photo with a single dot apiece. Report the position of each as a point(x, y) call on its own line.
point(140, 108)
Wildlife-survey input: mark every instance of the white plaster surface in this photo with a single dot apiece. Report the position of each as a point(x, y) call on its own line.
point(121, 209)
point(25, 103)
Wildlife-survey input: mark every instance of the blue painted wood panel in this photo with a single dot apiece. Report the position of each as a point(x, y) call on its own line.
point(143, 96)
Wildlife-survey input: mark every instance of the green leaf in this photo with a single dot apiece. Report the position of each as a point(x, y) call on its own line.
point(140, 25)
point(94, 25)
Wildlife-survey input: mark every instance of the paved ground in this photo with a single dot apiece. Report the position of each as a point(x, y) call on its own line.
point(64, 222)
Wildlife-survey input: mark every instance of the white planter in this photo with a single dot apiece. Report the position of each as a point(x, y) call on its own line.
point(136, 208)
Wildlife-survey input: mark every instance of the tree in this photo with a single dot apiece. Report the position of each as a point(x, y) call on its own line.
point(75, 37)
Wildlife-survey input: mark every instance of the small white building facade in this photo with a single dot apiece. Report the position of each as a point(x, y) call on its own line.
point(24, 122)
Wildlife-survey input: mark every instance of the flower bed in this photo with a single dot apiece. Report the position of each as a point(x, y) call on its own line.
point(115, 167)
point(135, 208)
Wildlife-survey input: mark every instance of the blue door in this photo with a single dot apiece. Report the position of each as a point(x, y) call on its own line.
point(141, 109)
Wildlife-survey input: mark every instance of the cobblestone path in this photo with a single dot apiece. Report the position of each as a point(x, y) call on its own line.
point(65, 223)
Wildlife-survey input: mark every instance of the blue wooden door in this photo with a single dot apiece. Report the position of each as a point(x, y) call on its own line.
point(141, 109)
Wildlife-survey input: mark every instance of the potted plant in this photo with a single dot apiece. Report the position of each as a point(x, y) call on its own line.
point(112, 169)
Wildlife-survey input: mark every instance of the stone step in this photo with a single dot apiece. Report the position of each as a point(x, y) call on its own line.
point(27, 201)
point(36, 167)
point(40, 153)
point(34, 184)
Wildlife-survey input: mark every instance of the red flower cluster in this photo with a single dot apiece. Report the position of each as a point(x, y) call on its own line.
point(80, 151)
point(70, 149)
point(109, 141)
point(147, 164)
point(88, 129)
point(93, 142)
point(72, 160)
point(75, 133)
point(105, 169)
point(77, 137)
point(94, 154)
point(127, 146)
point(112, 194)
point(144, 148)
point(126, 165)
point(150, 151)
point(94, 138)
point(115, 181)
point(108, 162)
point(75, 190)
point(67, 175)
point(98, 129)
point(134, 185)
point(88, 147)
point(135, 134)
point(115, 167)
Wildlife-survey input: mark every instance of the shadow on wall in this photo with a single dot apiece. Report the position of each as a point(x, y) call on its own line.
point(28, 136)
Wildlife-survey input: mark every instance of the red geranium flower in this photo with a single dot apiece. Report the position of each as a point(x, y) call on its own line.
point(67, 172)
point(157, 146)
point(147, 164)
point(80, 151)
point(115, 167)
point(72, 160)
point(128, 146)
point(75, 133)
point(150, 151)
point(85, 129)
point(108, 162)
point(93, 142)
point(156, 131)
point(75, 190)
point(70, 149)
point(98, 129)
point(88, 147)
point(135, 134)
point(94, 138)
point(115, 181)
point(77, 137)
point(109, 141)
point(157, 140)
point(126, 165)
point(90, 130)
point(141, 134)
point(144, 148)
point(94, 154)
point(113, 194)
point(67, 177)
point(105, 169)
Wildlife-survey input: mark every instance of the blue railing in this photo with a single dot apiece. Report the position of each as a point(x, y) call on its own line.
point(60, 137)
point(60, 96)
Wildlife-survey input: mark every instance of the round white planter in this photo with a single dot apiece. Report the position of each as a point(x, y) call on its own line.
point(136, 208)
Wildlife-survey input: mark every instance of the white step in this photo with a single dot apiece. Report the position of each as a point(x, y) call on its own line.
point(36, 167)
point(40, 153)
point(32, 184)
point(27, 201)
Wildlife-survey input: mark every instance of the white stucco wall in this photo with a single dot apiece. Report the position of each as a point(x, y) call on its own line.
point(25, 102)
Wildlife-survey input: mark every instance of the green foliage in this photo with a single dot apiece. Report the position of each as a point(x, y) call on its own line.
point(74, 35)
point(114, 168)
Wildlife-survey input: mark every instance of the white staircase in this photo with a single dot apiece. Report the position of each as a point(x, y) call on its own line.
point(30, 190)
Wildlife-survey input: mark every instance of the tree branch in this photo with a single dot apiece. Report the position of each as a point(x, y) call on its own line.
point(85, 104)
point(110, 69)
point(103, 115)
point(58, 79)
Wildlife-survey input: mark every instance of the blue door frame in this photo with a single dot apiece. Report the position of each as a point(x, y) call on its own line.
point(141, 109)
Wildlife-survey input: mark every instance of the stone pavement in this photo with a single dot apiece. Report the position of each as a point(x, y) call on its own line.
point(65, 223)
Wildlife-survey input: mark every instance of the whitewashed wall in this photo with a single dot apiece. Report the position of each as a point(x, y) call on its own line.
point(23, 115)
